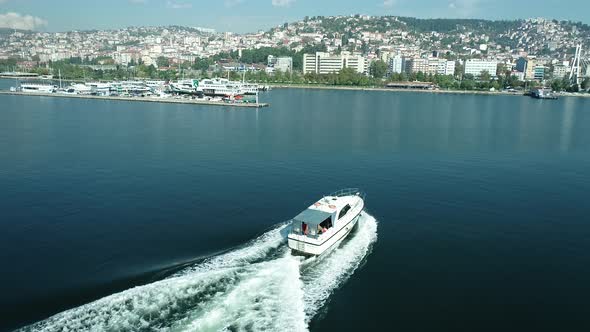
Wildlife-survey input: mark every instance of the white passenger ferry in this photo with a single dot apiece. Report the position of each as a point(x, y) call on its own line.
point(37, 88)
point(249, 88)
point(326, 222)
point(220, 87)
point(187, 87)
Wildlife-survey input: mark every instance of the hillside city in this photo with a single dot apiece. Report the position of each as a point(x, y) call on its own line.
point(337, 50)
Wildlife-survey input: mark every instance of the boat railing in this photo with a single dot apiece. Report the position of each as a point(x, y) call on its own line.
point(349, 192)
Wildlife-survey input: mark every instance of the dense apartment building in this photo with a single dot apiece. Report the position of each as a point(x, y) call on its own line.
point(475, 67)
point(526, 66)
point(417, 65)
point(325, 63)
point(430, 66)
point(560, 71)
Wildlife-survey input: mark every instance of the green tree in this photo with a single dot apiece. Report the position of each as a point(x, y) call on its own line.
point(573, 88)
point(459, 69)
point(557, 85)
point(378, 69)
point(163, 61)
point(467, 84)
point(420, 77)
point(485, 76)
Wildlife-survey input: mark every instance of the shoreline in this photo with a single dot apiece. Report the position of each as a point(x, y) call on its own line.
point(461, 92)
point(139, 99)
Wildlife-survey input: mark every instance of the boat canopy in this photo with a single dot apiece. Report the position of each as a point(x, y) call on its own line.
point(312, 217)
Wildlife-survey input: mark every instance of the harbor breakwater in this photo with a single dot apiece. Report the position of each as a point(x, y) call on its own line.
point(142, 99)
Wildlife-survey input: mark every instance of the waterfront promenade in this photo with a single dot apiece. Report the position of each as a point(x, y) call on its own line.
point(373, 88)
point(141, 99)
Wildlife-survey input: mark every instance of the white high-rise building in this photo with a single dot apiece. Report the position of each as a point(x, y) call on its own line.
point(446, 67)
point(324, 63)
point(476, 66)
point(310, 63)
point(356, 62)
point(396, 65)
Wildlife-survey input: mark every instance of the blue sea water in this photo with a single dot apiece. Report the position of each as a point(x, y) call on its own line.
point(169, 216)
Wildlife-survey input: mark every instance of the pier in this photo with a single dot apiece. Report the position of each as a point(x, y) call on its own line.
point(142, 99)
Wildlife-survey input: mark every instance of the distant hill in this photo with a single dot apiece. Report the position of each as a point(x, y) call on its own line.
point(465, 37)
point(9, 31)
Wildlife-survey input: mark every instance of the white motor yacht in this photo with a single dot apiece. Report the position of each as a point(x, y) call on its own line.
point(81, 88)
point(325, 223)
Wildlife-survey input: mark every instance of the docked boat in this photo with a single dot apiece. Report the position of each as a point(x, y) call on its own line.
point(99, 88)
point(37, 88)
point(220, 87)
point(543, 94)
point(131, 88)
point(249, 88)
point(155, 84)
point(326, 222)
point(80, 88)
point(185, 87)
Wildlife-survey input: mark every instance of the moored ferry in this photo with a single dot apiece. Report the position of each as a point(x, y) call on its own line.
point(187, 87)
point(249, 88)
point(220, 87)
point(37, 88)
point(326, 222)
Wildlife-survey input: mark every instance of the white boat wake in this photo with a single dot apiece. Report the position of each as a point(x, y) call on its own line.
point(260, 286)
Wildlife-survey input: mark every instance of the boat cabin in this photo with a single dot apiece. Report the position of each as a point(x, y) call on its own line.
point(321, 217)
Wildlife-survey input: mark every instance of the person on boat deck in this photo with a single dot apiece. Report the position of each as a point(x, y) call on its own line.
point(324, 229)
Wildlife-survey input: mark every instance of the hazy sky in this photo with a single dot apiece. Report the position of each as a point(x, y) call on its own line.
point(252, 15)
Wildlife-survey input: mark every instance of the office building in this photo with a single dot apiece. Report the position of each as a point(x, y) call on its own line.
point(539, 73)
point(324, 63)
point(475, 67)
point(396, 65)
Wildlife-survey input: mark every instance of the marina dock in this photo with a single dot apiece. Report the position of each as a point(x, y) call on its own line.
point(142, 99)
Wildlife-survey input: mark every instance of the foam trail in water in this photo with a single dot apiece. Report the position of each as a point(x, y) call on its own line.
point(322, 276)
point(259, 286)
point(271, 300)
point(159, 305)
point(255, 250)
